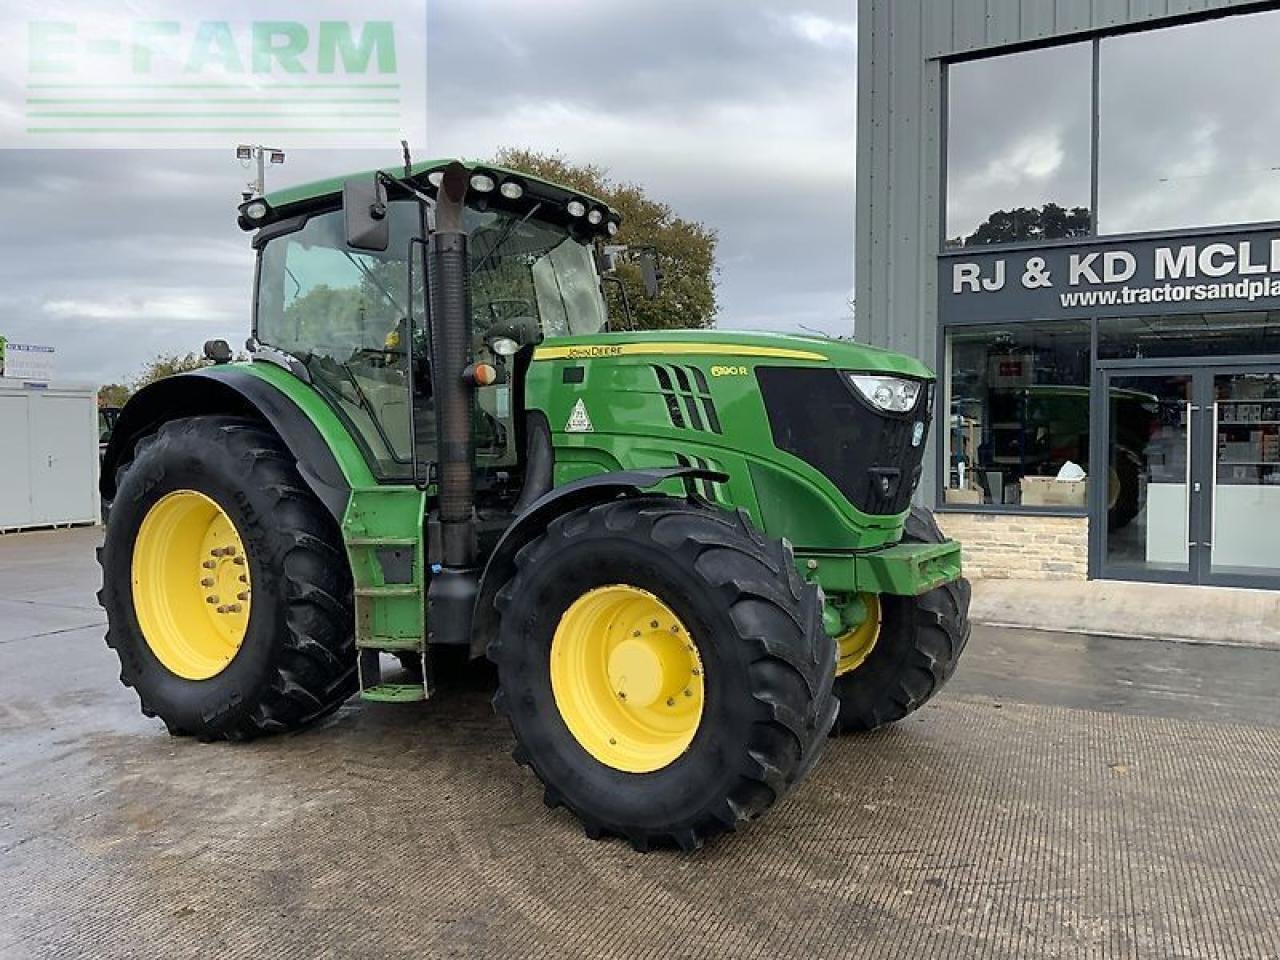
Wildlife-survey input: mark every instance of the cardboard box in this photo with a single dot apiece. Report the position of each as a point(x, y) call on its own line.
point(966, 497)
point(1050, 492)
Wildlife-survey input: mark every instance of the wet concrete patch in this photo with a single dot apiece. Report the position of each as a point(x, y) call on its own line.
point(1064, 797)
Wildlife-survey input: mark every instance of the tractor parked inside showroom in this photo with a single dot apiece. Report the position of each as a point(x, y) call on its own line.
point(689, 554)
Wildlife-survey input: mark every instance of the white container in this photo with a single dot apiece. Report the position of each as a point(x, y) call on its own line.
point(48, 455)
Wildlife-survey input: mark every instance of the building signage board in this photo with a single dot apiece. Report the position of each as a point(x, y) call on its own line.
point(26, 361)
point(1139, 277)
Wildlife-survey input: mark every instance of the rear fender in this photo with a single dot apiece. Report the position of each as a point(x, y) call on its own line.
point(227, 391)
point(533, 521)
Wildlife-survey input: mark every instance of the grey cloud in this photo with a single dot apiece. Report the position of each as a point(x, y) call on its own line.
point(1190, 133)
point(1019, 133)
point(723, 108)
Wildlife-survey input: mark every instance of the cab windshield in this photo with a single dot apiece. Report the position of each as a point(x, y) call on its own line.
point(527, 269)
point(344, 313)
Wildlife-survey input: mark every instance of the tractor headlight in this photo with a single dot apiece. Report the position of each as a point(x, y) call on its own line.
point(891, 394)
point(505, 347)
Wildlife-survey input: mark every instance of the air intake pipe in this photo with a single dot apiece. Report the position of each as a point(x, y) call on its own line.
point(450, 299)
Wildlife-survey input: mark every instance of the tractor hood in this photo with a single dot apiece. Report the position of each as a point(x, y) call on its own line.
point(731, 345)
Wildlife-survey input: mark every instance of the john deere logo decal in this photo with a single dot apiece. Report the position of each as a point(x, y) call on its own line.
point(579, 420)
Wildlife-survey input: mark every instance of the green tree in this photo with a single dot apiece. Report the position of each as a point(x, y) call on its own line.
point(686, 249)
point(113, 394)
point(166, 365)
point(1050, 222)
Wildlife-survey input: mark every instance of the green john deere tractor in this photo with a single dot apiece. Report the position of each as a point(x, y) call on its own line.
point(689, 554)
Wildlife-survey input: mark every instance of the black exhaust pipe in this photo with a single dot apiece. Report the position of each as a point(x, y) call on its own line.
point(451, 596)
point(449, 270)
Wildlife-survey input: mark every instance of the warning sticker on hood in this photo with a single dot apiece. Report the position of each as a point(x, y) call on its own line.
point(579, 420)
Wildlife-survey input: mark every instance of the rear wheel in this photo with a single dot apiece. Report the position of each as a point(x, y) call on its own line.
point(663, 668)
point(226, 589)
point(906, 648)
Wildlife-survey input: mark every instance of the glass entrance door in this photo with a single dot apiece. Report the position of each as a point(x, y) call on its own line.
point(1243, 541)
point(1149, 491)
point(1192, 492)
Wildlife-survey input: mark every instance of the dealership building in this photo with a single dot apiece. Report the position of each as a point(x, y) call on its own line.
point(1072, 210)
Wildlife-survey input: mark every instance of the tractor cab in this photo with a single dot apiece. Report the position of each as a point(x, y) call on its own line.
point(357, 318)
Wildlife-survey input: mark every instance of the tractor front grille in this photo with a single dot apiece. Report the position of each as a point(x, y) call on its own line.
point(818, 416)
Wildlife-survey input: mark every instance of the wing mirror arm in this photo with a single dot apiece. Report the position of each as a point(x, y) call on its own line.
point(622, 292)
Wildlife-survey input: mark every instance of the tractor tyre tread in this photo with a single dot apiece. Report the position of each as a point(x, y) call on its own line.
point(773, 623)
point(920, 643)
point(308, 668)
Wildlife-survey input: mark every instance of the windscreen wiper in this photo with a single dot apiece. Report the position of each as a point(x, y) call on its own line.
point(363, 400)
point(504, 236)
point(369, 275)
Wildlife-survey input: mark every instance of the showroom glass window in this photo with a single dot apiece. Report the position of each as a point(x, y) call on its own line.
point(1240, 334)
point(1019, 147)
point(1018, 405)
point(1189, 125)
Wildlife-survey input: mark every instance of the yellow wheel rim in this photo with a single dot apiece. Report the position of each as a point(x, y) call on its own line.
point(627, 678)
point(190, 585)
point(853, 647)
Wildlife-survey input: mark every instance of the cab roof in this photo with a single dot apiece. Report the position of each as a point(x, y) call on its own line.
point(304, 197)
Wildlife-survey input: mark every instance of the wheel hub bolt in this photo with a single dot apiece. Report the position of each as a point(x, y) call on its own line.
point(243, 596)
point(653, 624)
point(211, 599)
point(239, 561)
point(671, 701)
point(209, 565)
point(207, 582)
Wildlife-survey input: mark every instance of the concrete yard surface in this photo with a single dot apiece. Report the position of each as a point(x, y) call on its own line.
point(1066, 796)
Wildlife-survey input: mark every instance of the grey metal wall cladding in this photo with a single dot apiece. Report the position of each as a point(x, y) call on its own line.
point(901, 44)
point(954, 27)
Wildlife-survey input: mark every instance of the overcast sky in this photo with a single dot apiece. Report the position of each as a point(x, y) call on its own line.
point(738, 113)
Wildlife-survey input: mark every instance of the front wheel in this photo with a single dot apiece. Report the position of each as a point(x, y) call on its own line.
point(906, 648)
point(227, 594)
point(664, 669)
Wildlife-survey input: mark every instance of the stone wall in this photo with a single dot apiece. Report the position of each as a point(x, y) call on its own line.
point(1020, 547)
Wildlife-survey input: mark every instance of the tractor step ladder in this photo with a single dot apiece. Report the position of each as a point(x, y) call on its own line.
point(388, 566)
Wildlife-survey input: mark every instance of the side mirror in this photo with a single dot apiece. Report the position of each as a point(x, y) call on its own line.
point(364, 212)
point(651, 275)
